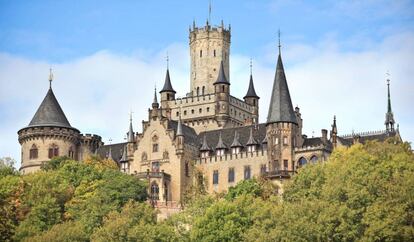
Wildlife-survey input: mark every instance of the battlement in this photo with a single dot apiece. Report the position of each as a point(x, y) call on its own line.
point(240, 104)
point(233, 157)
point(207, 98)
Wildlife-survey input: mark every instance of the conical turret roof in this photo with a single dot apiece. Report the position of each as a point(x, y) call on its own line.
point(50, 113)
point(221, 79)
point(252, 140)
point(280, 108)
point(220, 143)
point(204, 146)
point(167, 84)
point(251, 92)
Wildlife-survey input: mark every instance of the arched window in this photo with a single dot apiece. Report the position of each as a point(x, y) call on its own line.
point(201, 53)
point(53, 151)
point(222, 88)
point(198, 91)
point(33, 152)
point(203, 90)
point(168, 96)
point(214, 52)
point(302, 161)
point(155, 191)
point(314, 159)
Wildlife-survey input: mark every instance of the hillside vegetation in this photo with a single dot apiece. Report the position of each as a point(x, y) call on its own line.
point(363, 193)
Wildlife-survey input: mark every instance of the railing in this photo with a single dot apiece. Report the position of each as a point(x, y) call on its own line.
point(281, 174)
point(153, 174)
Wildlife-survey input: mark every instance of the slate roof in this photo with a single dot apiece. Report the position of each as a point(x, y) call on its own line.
point(280, 108)
point(190, 136)
point(167, 84)
point(227, 135)
point(50, 113)
point(312, 142)
point(364, 137)
point(221, 79)
point(116, 150)
point(251, 92)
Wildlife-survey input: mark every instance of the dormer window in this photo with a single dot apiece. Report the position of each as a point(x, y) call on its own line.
point(251, 148)
point(205, 154)
point(220, 152)
point(235, 150)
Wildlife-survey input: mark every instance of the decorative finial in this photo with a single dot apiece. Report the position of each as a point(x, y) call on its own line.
point(279, 41)
point(251, 65)
point(50, 78)
point(110, 140)
point(130, 116)
point(209, 11)
point(168, 61)
point(388, 77)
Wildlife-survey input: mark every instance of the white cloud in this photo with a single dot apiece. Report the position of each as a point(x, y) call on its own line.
point(98, 91)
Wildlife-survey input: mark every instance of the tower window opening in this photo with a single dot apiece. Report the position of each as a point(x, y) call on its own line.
point(33, 152)
point(185, 112)
point(208, 109)
point(192, 111)
point(198, 91)
point(200, 110)
point(201, 53)
point(203, 90)
point(214, 52)
point(53, 151)
point(222, 88)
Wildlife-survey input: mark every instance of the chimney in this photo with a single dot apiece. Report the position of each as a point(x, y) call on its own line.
point(324, 135)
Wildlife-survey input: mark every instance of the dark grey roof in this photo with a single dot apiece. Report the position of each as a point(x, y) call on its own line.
point(167, 84)
point(364, 137)
point(131, 136)
point(212, 137)
point(50, 113)
point(221, 79)
point(251, 92)
point(124, 157)
point(220, 144)
point(116, 150)
point(190, 136)
point(280, 108)
point(312, 142)
point(179, 128)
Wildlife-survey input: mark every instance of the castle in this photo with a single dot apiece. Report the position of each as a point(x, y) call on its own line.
point(208, 137)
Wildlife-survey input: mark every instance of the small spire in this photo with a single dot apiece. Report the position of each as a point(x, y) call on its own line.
point(50, 78)
point(279, 41)
point(251, 66)
point(389, 116)
point(110, 150)
point(167, 58)
point(220, 143)
point(252, 140)
point(236, 142)
point(204, 146)
point(179, 126)
point(334, 128)
point(131, 137)
point(155, 101)
point(124, 157)
point(209, 11)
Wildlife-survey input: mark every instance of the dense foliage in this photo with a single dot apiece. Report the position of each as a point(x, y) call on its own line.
point(363, 193)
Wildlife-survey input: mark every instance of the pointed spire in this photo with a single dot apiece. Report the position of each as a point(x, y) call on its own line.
point(179, 127)
point(124, 157)
point(221, 79)
point(155, 101)
point(334, 128)
point(204, 145)
point(167, 84)
point(131, 137)
point(50, 78)
point(280, 108)
point(389, 116)
point(251, 92)
point(220, 143)
point(236, 142)
point(252, 140)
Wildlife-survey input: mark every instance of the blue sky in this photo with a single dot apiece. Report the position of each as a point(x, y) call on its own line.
point(336, 54)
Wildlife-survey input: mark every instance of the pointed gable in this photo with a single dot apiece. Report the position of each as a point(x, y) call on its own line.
point(50, 113)
point(280, 108)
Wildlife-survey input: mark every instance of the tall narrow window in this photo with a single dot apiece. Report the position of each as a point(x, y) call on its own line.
point(285, 165)
point(263, 169)
point(155, 190)
point(71, 153)
point(215, 177)
point(285, 140)
point(231, 175)
point(201, 53)
point(246, 172)
point(154, 148)
point(186, 169)
point(33, 152)
point(214, 53)
point(198, 91)
point(203, 90)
